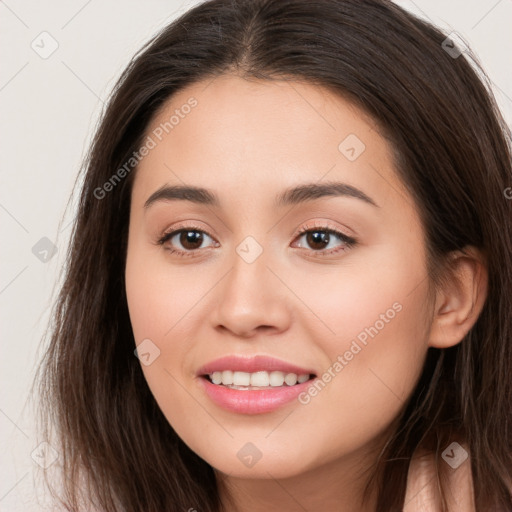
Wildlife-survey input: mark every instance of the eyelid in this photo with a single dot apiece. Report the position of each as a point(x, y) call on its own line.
point(324, 226)
point(182, 227)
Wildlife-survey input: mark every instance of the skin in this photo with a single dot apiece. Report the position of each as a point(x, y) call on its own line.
point(247, 141)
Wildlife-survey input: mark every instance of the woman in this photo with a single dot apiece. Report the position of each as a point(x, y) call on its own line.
point(288, 286)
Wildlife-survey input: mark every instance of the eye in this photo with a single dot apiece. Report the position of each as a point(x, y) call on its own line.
point(324, 240)
point(185, 241)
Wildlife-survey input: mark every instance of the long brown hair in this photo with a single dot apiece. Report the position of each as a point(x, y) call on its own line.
point(453, 152)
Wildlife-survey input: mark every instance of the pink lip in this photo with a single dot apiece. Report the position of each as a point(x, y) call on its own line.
point(252, 402)
point(251, 364)
point(256, 401)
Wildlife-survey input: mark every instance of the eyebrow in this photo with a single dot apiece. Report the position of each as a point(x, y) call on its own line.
point(184, 193)
point(311, 191)
point(292, 196)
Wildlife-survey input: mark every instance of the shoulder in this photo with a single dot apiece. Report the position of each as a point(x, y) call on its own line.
point(423, 494)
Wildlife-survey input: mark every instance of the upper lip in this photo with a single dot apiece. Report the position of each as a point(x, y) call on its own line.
point(251, 364)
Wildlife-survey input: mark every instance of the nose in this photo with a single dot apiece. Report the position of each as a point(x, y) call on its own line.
point(252, 300)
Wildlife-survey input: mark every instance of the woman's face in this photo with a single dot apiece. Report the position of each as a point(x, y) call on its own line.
point(247, 272)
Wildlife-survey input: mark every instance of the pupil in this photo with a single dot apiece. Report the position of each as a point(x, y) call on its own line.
point(189, 238)
point(318, 237)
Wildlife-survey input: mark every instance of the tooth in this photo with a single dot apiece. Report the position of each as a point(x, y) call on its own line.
point(276, 378)
point(227, 377)
point(216, 377)
point(257, 379)
point(291, 379)
point(241, 378)
point(260, 379)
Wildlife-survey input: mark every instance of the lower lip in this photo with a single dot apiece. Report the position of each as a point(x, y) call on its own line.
point(253, 401)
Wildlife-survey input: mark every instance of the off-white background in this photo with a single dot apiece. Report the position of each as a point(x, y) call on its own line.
point(49, 108)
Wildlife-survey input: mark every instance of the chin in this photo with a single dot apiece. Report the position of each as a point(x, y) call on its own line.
point(255, 461)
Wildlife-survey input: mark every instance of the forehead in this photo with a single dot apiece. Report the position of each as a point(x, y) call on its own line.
point(252, 137)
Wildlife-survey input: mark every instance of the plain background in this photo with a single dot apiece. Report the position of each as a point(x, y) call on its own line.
point(49, 109)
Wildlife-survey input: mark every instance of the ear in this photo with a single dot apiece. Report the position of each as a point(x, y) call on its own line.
point(460, 298)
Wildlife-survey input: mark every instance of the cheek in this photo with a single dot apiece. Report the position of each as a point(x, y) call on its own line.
point(160, 297)
point(158, 302)
point(377, 360)
point(378, 305)
point(374, 330)
point(163, 304)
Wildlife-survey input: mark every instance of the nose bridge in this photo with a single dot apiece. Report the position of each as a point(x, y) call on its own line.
point(248, 280)
point(251, 296)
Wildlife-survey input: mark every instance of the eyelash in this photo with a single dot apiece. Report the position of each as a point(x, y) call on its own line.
point(348, 241)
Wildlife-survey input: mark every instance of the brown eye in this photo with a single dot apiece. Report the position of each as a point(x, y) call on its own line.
point(191, 239)
point(318, 239)
point(186, 240)
point(325, 240)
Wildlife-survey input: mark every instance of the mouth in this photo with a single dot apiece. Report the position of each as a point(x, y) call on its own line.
point(253, 385)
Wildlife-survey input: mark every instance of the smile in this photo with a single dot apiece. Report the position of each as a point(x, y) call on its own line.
point(253, 385)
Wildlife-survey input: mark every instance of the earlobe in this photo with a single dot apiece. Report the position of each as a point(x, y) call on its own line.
point(460, 298)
